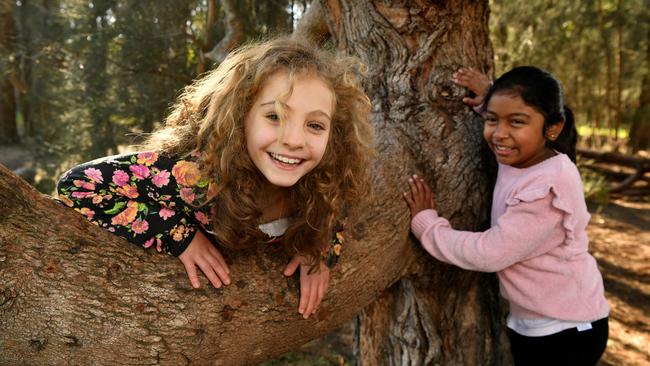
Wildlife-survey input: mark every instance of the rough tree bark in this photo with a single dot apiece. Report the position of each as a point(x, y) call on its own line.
point(71, 293)
point(439, 314)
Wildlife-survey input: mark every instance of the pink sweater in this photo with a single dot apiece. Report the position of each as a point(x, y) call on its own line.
point(537, 243)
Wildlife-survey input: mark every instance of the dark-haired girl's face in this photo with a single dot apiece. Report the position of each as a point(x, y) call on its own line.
point(515, 131)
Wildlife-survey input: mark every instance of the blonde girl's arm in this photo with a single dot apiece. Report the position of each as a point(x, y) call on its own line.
point(145, 198)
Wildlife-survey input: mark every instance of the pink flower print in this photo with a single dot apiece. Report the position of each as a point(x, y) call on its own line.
point(139, 171)
point(161, 178)
point(158, 245)
point(127, 216)
point(128, 190)
point(83, 184)
point(147, 158)
point(139, 226)
point(187, 195)
point(87, 212)
point(120, 177)
point(82, 195)
point(201, 217)
point(186, 173)
point(149, 242)
point(94, 175)
point(166, 213)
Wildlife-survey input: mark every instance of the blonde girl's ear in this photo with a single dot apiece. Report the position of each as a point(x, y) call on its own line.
point(553, 131)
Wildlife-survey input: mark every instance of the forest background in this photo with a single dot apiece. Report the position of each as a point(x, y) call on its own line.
point(85, 79)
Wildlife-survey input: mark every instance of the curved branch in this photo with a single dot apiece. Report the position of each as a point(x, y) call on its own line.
point(73, 293)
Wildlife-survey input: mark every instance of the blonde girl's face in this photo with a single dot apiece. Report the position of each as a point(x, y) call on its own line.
point(515, 131)
point(286, 151)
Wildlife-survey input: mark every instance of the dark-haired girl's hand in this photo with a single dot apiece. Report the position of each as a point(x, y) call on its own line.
point(203, 254)
point(313, 286)
point(473, 80)
point(419, 197)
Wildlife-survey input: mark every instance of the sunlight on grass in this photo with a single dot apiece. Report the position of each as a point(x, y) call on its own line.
point(586, 130)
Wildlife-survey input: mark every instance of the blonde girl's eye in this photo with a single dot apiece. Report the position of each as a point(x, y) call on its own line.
point(316, 126)
point(273, 117)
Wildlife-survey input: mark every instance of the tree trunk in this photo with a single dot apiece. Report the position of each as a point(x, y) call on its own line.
point(439, 314)
point(72, 293)
point(8, 128)
point(640, 130)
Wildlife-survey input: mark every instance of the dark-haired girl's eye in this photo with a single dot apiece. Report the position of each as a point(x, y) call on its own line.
point(490, 120)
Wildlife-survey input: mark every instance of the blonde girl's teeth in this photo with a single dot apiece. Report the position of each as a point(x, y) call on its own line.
point(285, 159)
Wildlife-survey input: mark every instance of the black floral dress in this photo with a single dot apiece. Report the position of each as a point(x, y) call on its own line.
point(149, 199)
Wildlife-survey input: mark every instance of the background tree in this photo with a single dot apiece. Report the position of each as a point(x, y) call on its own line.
point(8, 127)
point(597, 48)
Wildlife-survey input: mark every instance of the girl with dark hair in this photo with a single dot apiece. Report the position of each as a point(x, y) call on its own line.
point(268, 147)
point(537, 243)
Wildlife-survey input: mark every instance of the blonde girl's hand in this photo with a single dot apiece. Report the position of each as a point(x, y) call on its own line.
point(419, 197)
point(312, 286)
point(203, 254)
point(475, 81)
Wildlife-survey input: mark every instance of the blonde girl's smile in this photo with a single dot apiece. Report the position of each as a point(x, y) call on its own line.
point(288, 127)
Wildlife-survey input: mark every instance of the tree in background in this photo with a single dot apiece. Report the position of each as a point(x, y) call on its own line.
point(597, 48)
point(8, 126)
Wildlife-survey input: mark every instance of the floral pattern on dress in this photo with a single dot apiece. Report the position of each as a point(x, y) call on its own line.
point(151, 200)
point(145, 197)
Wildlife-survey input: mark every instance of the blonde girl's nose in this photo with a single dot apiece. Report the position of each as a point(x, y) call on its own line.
point(292, 135)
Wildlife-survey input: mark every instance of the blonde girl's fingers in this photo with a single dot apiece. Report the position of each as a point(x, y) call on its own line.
point(209, 272)
point(217, 267)
point(322, 290)
point(314, 299)
point(190, 268)
point(304, 293)
point(217, 255)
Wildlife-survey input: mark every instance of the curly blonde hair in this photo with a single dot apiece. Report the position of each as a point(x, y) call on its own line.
point(208, 119)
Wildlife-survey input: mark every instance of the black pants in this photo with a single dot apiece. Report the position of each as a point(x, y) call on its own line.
point(568, 347)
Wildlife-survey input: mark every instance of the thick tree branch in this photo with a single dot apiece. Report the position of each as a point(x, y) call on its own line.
point(73, 293)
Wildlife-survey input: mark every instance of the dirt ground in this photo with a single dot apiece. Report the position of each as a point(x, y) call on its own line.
point(620, 240)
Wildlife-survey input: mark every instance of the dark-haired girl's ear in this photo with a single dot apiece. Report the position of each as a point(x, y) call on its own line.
point(553, 131)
